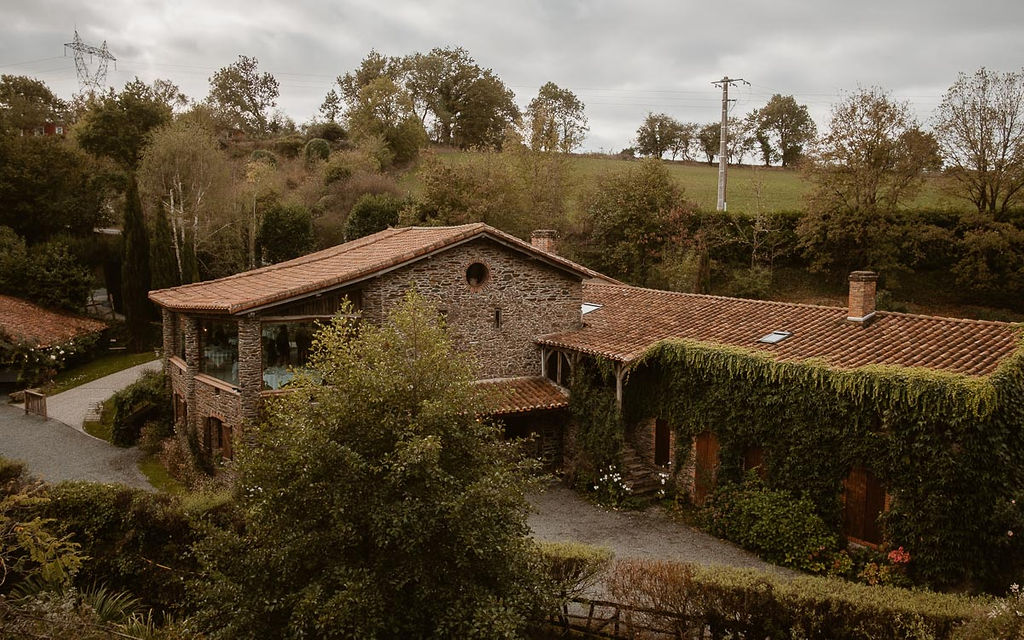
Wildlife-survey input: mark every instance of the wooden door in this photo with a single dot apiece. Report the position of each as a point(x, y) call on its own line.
point(662, 443)
point(705, 467)
point(864, 502)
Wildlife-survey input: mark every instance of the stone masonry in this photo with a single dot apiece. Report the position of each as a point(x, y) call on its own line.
point(530, 297)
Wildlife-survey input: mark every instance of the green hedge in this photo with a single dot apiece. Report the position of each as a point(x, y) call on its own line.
point(779, 526)
point(145, 400)
point(753, 604)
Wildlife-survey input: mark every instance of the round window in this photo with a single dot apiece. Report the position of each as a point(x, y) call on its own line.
point(477, 274)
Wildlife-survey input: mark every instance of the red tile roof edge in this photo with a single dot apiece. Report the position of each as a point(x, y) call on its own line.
point(557, 398)
point(85, 325)
point(469, 231)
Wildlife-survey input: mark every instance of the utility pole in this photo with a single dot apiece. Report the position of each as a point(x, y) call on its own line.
point(724, 136)
point(86, 80)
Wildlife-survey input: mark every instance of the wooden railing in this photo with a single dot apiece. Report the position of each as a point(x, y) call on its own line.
point(604, 619)
point(35, 402)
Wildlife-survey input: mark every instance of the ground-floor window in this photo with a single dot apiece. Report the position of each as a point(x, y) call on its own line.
point(217, 437)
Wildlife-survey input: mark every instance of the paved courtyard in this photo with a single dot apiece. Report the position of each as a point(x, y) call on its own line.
point(563, 516)
point(55, 452)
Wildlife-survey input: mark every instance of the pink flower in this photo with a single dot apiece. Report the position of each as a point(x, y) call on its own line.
point(899, 556)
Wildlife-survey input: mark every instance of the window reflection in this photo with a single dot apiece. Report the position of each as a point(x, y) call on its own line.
point(286, 346)
point(219, 344)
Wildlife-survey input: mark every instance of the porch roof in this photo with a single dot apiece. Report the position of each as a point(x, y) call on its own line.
point(519, 395)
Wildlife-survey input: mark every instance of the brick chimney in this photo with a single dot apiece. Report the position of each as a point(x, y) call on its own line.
point(862, 296)
point(545, 239)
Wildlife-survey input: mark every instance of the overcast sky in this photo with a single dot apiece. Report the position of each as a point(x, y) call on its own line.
point(621, 58)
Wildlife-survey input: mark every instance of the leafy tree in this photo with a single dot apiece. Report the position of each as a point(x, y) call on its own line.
point(782, 128)
point(372, 213)
point(661, 133)
point(49, 274)
point(163, 262)
point(872, 159)
point(184, 173)
point(469, 105)
point(286, 233)
point(740, 141)
point(331, 107)
point(556, 120)
point(980, 129)
point(244, 95)
point(631, 218)
point(709, 139)
point(46, 189)
point(399, 512)
point(373, 67)
point(118, 125)
point(26, 103)
point(383, 109)
point(135, 275)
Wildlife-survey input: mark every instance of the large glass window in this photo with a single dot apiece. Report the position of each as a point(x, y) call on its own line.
point(219, 343)
point(286, 347)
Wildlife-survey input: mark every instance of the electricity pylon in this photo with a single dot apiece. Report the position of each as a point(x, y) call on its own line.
point(94, 81)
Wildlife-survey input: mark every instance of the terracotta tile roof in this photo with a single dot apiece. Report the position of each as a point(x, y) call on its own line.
point(337, 266)
point(27, 322)
point(517, 395)
point(632, 319)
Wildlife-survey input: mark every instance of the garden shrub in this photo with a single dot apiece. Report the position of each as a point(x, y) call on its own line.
point(317, 150)
point(264, 156)
point(775, 524)
point(370, 214)
point(145, 400)
point(573, 568)
point(289, 146)
point(132, 540)
point(747, 603)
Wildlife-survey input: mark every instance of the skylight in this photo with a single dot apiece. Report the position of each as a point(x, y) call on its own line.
point(587, 307)
point(775, 337)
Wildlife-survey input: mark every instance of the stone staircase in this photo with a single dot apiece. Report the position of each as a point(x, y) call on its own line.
point(638, 475)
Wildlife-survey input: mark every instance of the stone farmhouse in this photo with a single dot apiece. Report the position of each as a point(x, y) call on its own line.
point(529, 317)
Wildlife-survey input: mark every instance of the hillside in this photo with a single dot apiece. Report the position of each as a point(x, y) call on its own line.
point(776, 189)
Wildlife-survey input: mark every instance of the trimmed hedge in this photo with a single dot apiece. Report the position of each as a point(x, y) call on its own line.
point(145, 400)
point(775, 524)
point(752, 604)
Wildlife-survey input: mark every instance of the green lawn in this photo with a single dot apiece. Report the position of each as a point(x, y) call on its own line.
point(96, 369)
point(749, 187)
point(157, 474)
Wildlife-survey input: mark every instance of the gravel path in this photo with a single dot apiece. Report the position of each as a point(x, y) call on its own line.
point(72, 406)
point(54, 452)
point(563, 516)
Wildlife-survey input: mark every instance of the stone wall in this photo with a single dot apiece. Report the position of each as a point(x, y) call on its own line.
point(531, 297)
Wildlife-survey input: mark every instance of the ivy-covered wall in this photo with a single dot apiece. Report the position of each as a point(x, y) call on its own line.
point(949, 449)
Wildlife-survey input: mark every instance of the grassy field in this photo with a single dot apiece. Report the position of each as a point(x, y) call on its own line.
point(749, 187)
point(96, 369)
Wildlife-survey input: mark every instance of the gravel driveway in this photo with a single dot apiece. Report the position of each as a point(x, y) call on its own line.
point(55, 452)
point(563, 516)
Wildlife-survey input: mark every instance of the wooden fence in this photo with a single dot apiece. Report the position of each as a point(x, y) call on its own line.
point(604, 619)
point(35, 402)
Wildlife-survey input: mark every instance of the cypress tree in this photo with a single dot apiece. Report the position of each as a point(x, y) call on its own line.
point(164, 264)
point(135, 274)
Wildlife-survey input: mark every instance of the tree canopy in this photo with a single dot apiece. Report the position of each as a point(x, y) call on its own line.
point(399, 513)
point(872, 159)
point(556, 120)
point(782, 128)
point(244, 95)
point(980, 129)
point(660, 133)
point(26, 103)
point(118, 125)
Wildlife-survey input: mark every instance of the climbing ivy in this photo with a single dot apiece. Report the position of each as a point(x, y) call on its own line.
point(948, 448)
